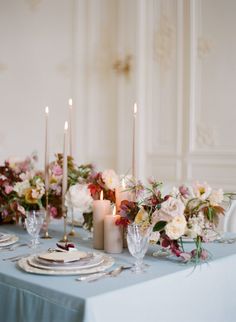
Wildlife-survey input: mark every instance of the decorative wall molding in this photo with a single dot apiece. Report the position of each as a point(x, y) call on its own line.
point(206, 136)
point(164, 43)
point(204, 48)
point(123, 66)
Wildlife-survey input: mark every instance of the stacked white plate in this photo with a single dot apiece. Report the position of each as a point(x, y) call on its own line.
point(66, 263)
point(7, 239)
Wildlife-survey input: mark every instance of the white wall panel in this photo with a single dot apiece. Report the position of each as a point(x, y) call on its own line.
point(212, 93)
point(36, 51)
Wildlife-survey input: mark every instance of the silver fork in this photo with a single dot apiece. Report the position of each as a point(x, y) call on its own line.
point(96, 276)
point(15, 258)
point(227, 240)
point(12, 247)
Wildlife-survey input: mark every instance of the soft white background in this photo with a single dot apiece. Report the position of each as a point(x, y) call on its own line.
point(182, 74)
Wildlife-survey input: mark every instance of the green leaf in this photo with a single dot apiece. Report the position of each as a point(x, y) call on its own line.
point(210, 213)
point(159, 225)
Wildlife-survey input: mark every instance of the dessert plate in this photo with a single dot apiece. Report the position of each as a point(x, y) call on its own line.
point(24, 264)
point(92, 261)
point(12, 240)
point(63, 257)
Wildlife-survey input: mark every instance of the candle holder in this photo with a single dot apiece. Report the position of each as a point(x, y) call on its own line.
point(47, 219)
point(65, 237)
point(72, 232)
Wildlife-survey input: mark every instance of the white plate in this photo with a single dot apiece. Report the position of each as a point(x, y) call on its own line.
point(93, 261)
point(9, 242)
point(63, 257)
point(23, 263)
point(4, 237)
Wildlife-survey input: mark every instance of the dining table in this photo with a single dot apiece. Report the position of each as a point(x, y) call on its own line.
point(168, 290)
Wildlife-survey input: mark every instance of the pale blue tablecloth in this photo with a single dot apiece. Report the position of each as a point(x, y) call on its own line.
point(168, 291)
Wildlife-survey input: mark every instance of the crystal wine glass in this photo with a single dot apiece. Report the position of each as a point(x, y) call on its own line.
point(33, 222)
point(138, 240)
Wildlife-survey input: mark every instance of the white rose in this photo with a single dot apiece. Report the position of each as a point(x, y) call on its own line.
point(195, 226)
point(176, 228)
point(202, 190)
point(79, 197)
point(174, 231)
point(216, 197)
point(170, 208)
point(194, 231)
point(21, 187)
point(179, 220)
point(111, 179)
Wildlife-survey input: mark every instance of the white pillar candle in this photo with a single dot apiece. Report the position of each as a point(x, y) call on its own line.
point(46, 162)
point(122, 194)
point(113, 234)
point(71, 125)
point(64, 178)
point(100, 209)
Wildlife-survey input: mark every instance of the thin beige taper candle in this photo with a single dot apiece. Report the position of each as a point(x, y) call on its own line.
point(64, 180)
point(70, 125)
point(46, 173)
point(134, 142)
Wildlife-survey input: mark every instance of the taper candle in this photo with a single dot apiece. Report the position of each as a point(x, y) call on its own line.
point(71, 125)
point(46, 162)
point(64, 179)
point(134, 142)
point(113, 234)
point(100, 209)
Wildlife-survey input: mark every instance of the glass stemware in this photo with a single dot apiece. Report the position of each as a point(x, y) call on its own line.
point(33, 222)
point(138, 240)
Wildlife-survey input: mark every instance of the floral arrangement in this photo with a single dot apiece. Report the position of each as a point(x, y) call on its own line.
point(81, 195)
point(186, 212)
point(75, 175)
point(22, 186)
point(106, 181)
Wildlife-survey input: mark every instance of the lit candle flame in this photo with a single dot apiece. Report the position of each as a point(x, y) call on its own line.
point(66, 126)
point(114, 211)
point(46, 109)
point(101, 195)
point(70, 102)
point(135, 108)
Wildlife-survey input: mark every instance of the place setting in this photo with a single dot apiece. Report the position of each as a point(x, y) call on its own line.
point(8, 241)
point(58, 261)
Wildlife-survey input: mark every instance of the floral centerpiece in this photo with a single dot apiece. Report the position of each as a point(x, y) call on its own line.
point(76, 175)
point(21, 188)
point(186, 212)
point(81, 195)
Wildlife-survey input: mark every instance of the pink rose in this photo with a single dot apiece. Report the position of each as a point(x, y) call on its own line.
point(8, 189)
point(169, 209)
point(53, 212)
point(57, 170)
